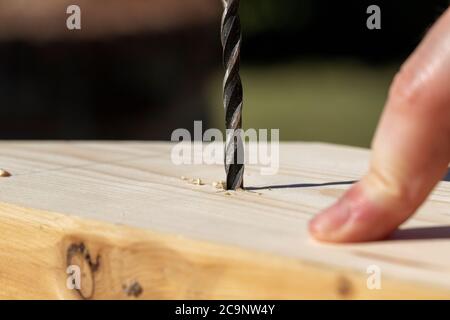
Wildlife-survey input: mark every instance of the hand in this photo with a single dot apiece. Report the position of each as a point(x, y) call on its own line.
point(411, 149)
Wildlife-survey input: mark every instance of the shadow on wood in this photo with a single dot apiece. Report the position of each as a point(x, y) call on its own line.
point(447, 176)
point(428, 233)
point(301, 185)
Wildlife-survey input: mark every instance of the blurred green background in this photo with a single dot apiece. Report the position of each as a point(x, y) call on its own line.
point(338, 102)
point(310, 68)
point(313, 69)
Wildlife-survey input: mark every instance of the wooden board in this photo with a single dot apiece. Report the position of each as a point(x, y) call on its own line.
point(121, 212)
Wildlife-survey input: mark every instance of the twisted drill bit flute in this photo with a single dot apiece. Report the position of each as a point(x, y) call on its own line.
point(232, 95)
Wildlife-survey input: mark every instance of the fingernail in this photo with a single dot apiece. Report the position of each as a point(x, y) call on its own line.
point(332, 219)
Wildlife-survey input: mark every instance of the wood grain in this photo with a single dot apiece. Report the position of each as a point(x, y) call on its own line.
point(158, 236)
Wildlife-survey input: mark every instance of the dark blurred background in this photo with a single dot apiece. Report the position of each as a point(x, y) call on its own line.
point(140, 69)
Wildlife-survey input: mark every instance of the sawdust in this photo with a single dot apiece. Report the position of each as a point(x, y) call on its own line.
point(194, 181)
point(198, 182)
point(4, 173)
point(220, 185)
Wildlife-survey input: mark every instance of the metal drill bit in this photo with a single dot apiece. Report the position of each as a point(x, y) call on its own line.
point(232, 95)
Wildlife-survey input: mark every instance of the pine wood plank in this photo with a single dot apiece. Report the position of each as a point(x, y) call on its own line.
point(126, 202)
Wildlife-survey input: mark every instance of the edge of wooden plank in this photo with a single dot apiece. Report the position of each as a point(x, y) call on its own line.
point(120, 262)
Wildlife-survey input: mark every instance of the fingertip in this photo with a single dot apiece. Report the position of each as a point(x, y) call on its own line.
point(409, 150)
point(353, 218)
point(326, 225)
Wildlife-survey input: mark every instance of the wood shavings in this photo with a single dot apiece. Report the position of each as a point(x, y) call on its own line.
point(196, 181)
point(4, 173)
point(219, 185)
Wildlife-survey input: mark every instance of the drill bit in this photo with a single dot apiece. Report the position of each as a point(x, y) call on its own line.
point(232, 95)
